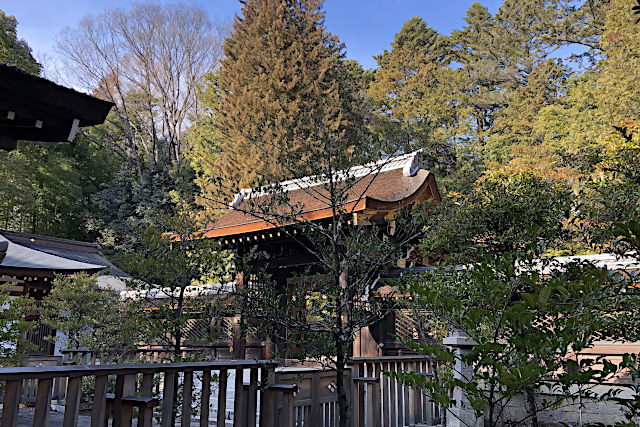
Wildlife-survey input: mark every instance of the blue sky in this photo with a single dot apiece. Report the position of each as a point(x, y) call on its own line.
point(365, 26)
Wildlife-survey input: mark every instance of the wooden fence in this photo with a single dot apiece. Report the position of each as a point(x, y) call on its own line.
point(134, 388)
point(379, 400)
point(290, 397)
point(315, 402)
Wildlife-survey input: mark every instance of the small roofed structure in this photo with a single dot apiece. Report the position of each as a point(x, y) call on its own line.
point(22, 261)
point(376, 193)
point(30, 262)
point(36, 109)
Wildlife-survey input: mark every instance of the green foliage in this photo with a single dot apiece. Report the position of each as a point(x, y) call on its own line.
point(612, 200)
point(13, 327)
point(15, 51)
point(414, 93)
point(414, 36)
point(478, 94)
point(74, 306)
point(285, 105)
point(93, 319)
point(162, 268)
point(510, 210)
point(45, 187)
point(527, 319)
point(130, 203)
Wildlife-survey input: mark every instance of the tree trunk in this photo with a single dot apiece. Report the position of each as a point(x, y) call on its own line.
point(341, 390)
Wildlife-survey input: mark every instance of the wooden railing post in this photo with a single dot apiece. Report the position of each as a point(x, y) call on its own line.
point(267, 398)
point(222, 398)
point(187, 394)
point(385, 389)
point(357, 403)
point(11, 402)
point(72, 407)
point(418, 369)
point(285, 415)
point(429, 413)
point(99, 404)
point(371, 408)
point(376, 420)
point(206, 397)
point(252, 398)
point(314, 414)
point(360, 373)
point(167, 398)
point(239, 406)
point(43, 402)
point(410, 403)
point(125, 386)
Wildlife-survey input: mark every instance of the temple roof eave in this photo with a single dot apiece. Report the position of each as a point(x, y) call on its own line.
point(359, 204)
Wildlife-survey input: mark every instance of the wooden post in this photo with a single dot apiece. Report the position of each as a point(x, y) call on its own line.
point(361, 391)
point(357, 403)
point(399, 396)
point(386, 405)
point(222, 397)
point(315, 416)
point(167, 399)
point(147, 385)
point(376, 420)
point(239, 406)
point(72, 408)
point(244, 419)
point(187, 394)
point(239, 339)
point(411, 398)
point(11, 403)
point(125, 386)
point(43, 403)
point(287, 410)
point(350, 395)
point(285, 417)
point(206, 396)
point(98, 406)
point(145, 415)
point(252, 401)
point(417, 368)
point(267, 398)
point(428, 416)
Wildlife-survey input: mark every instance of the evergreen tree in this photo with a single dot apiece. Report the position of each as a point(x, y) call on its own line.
point(280, 85)
point(416, 36)
point(513, 134)
point(414, 95)
point(128, 203)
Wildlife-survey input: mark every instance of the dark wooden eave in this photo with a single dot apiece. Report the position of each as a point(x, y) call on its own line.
point(36, 109)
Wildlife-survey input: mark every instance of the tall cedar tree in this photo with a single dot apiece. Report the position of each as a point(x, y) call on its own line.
point(282, 83)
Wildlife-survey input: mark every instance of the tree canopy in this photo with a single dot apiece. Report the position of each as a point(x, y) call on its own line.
point(13, 50)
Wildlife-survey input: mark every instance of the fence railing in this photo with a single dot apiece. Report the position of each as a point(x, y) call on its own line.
point(247, 392)
point(315, 403)
point(134, 389)
point(380, 400)
point(219, 350)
